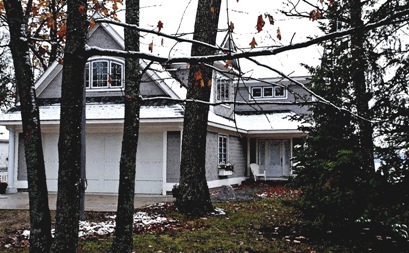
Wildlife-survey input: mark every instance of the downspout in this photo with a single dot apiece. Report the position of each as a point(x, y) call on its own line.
point(10, 169)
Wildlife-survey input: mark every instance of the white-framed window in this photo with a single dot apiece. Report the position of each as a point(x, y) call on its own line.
point(258, 92)
point(223, 145)
point(104, 74)
point(223, 85)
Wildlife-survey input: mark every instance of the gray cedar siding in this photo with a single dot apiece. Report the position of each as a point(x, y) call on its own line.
point(236, 155)
point(211, 156)
point(173, 157)
point(100, 38)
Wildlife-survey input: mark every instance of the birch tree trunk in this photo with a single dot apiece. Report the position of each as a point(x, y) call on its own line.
point(40, 221)
point(193, 195)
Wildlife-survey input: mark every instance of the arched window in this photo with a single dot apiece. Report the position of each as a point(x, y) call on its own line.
point(104, 74)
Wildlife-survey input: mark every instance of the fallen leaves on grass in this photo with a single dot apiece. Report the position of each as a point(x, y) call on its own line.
point(279, 192)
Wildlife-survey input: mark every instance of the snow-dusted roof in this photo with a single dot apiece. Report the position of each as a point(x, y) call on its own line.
point(103, 113)
point(272, 122)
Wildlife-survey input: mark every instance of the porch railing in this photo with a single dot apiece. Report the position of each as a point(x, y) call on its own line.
point(3, 175)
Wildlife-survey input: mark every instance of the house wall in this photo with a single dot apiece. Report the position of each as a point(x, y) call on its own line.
point(236, 155)
point(211, 156)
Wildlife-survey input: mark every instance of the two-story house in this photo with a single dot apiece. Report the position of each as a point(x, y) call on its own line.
point(256, 132)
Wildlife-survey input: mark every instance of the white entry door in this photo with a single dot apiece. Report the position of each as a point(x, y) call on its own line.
point(274, 157)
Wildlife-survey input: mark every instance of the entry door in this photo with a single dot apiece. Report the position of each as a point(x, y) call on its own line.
point(274, 157)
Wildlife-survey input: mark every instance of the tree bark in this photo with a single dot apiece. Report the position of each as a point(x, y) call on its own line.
point(124, 217)
point(69, 145)
point(40, 220)
point(192, 195)
point(362, 96)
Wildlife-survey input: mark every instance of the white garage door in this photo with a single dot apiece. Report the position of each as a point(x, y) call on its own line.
point(149, 164)
point(102, 164)
point(50, 146)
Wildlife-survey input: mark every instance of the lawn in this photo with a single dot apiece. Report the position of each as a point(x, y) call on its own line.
point(264, 224)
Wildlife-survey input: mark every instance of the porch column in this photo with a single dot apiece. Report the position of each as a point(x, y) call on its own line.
point(10, 169)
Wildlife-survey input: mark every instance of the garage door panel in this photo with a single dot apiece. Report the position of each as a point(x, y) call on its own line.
point(50, 145)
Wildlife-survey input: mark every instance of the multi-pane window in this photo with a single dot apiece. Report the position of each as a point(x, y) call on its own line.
point(223, 148)
point(268, 92)
point(223, 89)
point(104, 74)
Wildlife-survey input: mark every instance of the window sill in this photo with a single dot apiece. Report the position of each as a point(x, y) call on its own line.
point(223, 172)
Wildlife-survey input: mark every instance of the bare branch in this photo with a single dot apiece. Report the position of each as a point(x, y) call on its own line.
point(90, 51)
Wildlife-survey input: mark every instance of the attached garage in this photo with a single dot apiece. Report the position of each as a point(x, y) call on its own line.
point(102, 164)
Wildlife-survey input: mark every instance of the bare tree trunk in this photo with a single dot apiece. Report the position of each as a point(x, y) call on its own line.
point(69, 146)
point(124, 220)
point(40, 221)
point(193, 195)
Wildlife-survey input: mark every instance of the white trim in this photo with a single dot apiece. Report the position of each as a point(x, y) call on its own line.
point(213, 183)
point(164, 163)
point(11, 165)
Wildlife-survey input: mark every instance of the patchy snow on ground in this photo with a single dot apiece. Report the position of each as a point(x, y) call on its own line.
point(142, 221)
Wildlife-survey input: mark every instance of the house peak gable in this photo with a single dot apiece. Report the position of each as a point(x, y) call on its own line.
point(156, 81)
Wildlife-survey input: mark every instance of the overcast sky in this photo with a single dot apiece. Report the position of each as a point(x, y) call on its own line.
point(178, 16)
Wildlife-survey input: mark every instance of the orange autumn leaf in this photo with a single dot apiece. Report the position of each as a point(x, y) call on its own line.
point(61, 32)
point(209, 83)
point(50, 22)
point(199, 76)
point(115, 6)
point(253, 43)
point(91, 23)
point(260, 23)
point(270, 19)
point(150, 48)
point(278, 34)
point(315, 15)
point(212, 10)
point(231, 26)
point(228, 64)
point(160, 25)
point(81, 9)
point(34, 10)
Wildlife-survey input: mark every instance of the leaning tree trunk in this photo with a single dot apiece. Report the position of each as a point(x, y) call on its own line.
point(40, 220)
point(124, 216)
point(192, 195)
point(69, 145)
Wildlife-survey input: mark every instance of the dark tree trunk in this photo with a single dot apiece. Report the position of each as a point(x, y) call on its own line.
point(124, 220)
point(362, 96)
point(40, 221)
point(69, 145)
point(192, 195)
